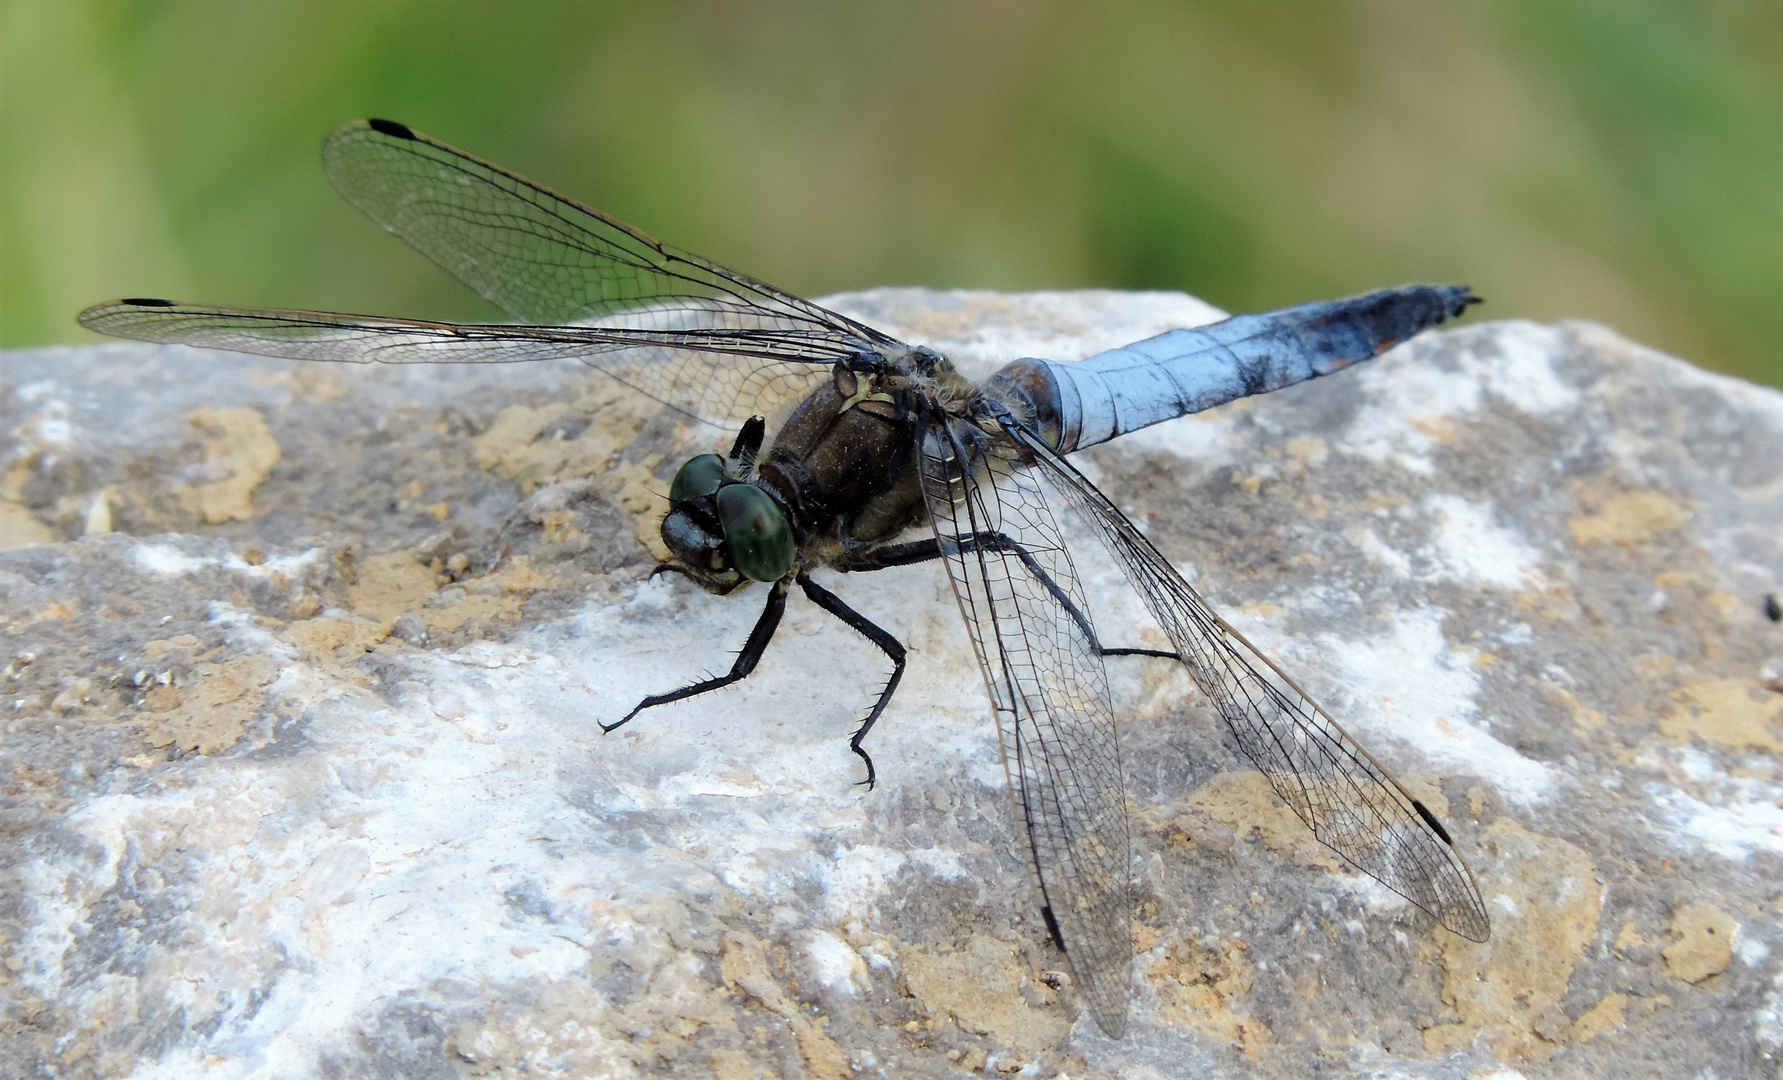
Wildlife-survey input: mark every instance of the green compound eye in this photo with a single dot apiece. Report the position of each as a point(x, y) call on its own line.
point(700, 476)
point(755, 531)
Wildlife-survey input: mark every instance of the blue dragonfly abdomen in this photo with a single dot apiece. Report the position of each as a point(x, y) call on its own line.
point(1185, 371)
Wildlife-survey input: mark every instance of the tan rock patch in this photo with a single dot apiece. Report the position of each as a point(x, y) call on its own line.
point(1736, 713)
point(1207, 990)
point(1604, 1017)
point(1555, 602)
point(60, 610)
point(386, 586)
point(1704, 944)
point(239, 442)
point(1583, 719)
point(641, 494)
point(339, 638)
point(457, 611)
point(1630, 518)
point(1730, 607)
point(81, 693)
point(20, 528)
point(1245, 801)
point(210, 716)
point(180, 647)
point(518, 446)
point(1545, 902)
point(745, 966)
point(981, 987)
point(501, 595)
point(511, 446)
point(1308, 450)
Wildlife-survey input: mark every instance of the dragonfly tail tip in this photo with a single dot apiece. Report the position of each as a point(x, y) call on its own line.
point(1461, 298)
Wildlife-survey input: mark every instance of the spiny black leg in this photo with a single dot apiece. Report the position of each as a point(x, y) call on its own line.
point(883, 558)
point(889, 645)
point(746, 660)
point(920, 551)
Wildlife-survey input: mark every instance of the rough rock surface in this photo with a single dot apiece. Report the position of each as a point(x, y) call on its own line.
point(300, 773)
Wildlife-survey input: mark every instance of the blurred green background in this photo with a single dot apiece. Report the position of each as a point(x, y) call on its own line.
point(1620, 160)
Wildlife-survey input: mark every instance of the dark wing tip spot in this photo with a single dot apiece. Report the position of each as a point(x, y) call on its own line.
point(391, 128)
point(1430, 820)
point(1052, 927)
point(146, 301)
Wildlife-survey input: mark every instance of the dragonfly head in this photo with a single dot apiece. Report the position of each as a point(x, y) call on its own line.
point(726, 532)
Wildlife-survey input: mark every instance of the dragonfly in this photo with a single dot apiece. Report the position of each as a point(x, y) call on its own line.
point(884, 456)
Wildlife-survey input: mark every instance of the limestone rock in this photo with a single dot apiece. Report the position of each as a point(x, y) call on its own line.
point(302, 775)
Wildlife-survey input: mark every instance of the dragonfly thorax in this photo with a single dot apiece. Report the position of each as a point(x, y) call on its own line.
point(839, 479)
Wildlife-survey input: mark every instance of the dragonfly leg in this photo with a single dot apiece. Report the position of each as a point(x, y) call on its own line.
point(884, 558)
point(889, 645)
point(919, 551)
point(746, 659)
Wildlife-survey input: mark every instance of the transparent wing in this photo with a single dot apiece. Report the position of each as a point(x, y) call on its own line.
point(1025, 611)
point(718, 345)
point(722, 376)
point(1351, 804)
point(539, 256)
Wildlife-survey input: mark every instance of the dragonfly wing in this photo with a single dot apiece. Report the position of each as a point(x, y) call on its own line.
point(1349, 801)
point(1024, 609)
point(722, 375)
point(718, 345)
point(538, 255)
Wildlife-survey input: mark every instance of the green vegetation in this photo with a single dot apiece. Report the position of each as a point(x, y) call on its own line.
point(1619, 160)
